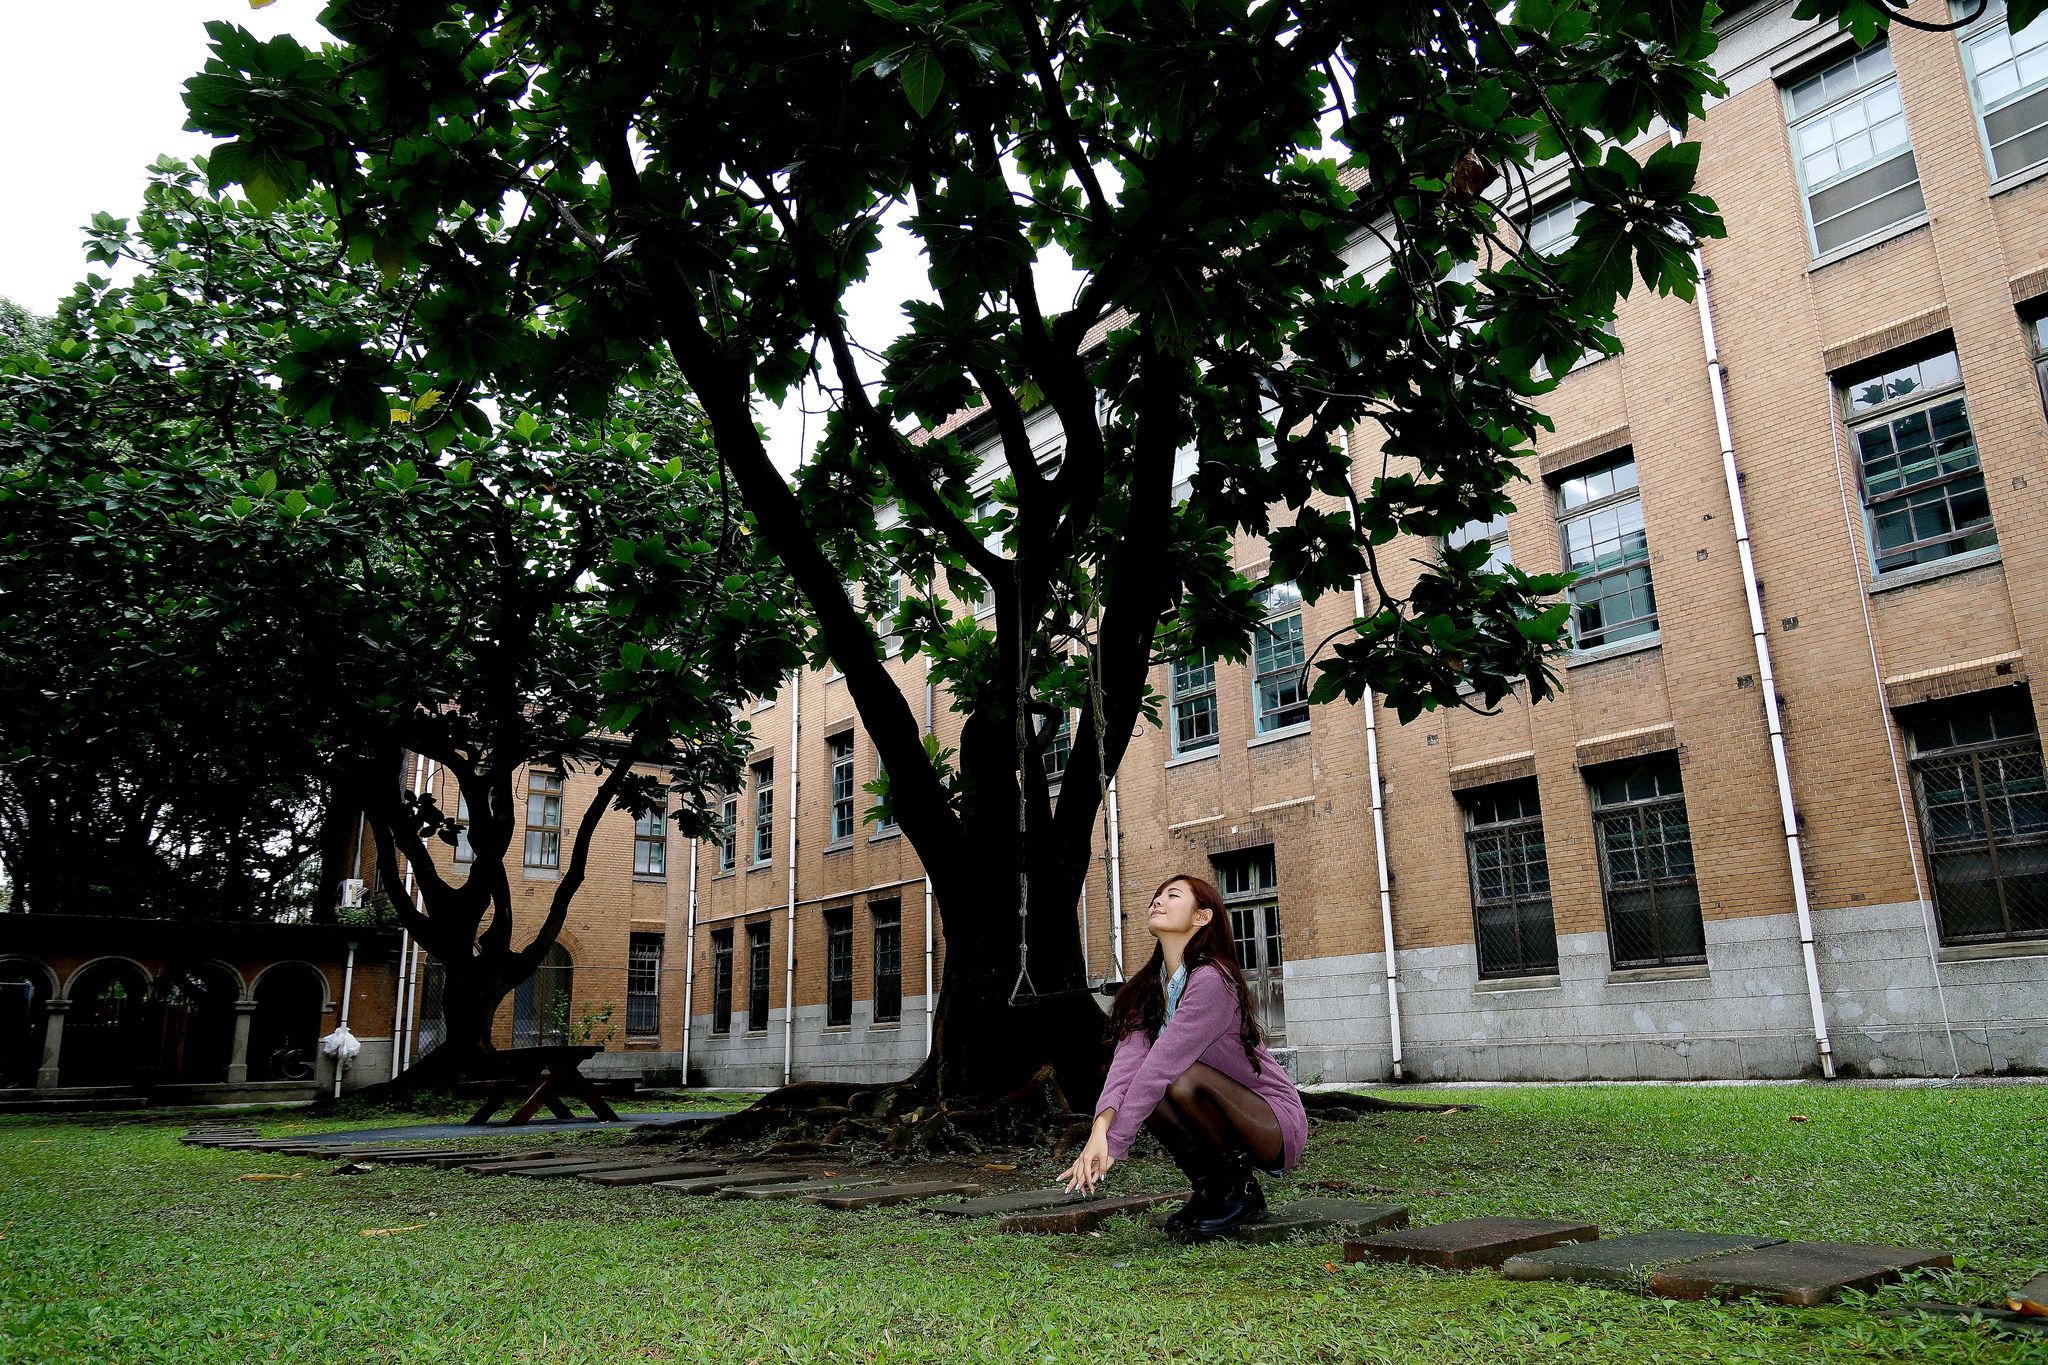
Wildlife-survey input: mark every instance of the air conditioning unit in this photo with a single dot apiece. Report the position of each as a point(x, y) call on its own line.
point(352, 893)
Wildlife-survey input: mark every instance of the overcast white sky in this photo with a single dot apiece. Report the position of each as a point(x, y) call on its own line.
point(90, 95)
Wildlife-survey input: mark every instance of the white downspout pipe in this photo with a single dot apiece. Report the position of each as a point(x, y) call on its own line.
point(689, 960)
point(796, 694)
point(1379, 850)
point(419, 769)
point(1766, 677)
point(1116, 885)
point(931, 988)
point(1086, 946)
point(348, 990)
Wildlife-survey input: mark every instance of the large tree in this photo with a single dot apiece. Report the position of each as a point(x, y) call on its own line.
point(715, 178)
point(253, 557)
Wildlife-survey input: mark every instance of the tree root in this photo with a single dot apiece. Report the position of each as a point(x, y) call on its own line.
point(902, 1118)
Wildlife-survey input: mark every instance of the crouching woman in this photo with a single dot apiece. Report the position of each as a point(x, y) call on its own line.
point(1191, 1067)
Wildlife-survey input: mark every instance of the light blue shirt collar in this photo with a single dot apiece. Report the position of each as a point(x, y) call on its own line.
point(1174, 985)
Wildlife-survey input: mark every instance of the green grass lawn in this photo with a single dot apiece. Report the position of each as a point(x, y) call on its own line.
point(118, 1244)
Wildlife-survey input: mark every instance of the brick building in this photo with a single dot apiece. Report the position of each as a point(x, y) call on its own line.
point(1659, 873)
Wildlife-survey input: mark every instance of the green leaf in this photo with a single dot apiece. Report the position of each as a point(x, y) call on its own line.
point(923, 78)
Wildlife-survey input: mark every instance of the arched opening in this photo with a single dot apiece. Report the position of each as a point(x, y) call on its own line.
point(195, 1009)
point(25, 990)
point(284, 1031)
point(106, 1027)
point(540, 1004)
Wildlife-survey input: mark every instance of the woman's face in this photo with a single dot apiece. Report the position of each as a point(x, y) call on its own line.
point(1174, 911)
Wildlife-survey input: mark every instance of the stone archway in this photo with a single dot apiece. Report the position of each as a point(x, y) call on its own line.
point(106, 1026)
point(194, 1005)
point(26, 989)
point(285, 1027)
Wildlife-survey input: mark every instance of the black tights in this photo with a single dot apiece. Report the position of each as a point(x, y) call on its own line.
point(1205, 1113)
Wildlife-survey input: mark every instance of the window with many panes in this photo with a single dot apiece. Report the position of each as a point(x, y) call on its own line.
point(1646, 868)
point(839, 966)
point(1983, 814)
point(1058, 751)
point(643, 985)
point(1600, 519)
point(2037, 338)
point(1493, 531)
point(2009, 80)
point(885, 815)
point(1509, 866)
point(729, 833)
point(887, 918)
point(650, 844)
point(1194, 704)
point(1916, 460)
point(1251, 897)
point(757, 977)
point(543, 819)
point(721, 981)
point(839, 755)
point(764, 813)
point(1279, 696)
point(1855, 159)
point(463, 852)
point(1552, 231)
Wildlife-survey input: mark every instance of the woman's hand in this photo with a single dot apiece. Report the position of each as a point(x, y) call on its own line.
point(1089, 1167)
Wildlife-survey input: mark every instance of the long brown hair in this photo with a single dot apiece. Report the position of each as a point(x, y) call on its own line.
point(1141, 1003)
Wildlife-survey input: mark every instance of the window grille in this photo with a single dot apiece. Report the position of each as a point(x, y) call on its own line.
point(721, 981)
point(1509, 865)
point(757, 978)
point(1978, 781)
point(643, 985)
point(887, 917)
point(838, 967)
point(1646, 864)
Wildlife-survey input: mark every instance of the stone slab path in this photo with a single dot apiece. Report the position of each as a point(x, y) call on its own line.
point(444, 1157)
point(800, 1189)
point(1088, 1216)
point(503, 1165)
point(884, 1195)
point(1469, 1243)
point(1315, 1214)
point(712, 1184)
point(563, 1170)
point(648, 1175)
point(1013, 1201)
point(1633, 1258)
point(1798, 1273)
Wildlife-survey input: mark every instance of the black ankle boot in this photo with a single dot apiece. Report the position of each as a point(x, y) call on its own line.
point(1240, 1201)
point(1204, 1181)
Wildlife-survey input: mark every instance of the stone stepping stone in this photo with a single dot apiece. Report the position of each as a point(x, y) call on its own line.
point(1799, 1273)
point(1014, 1201)
point(712, 1184)
point(802, 1189)
point(562, 1170)
point(1086, 1217)
point(1468, 1243)
point(1298, 1216)
point(503, 1165)
point(1631, 1258)
point(442, 1157)
point(2003, 1321)
point(886, 1195)
point(648, 1175)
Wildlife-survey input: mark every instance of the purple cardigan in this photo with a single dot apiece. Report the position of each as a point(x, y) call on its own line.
point(1205, 1028)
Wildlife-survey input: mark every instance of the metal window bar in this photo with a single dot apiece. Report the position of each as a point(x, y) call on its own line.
point(643, 986)
point(721, 981)
point(838, 968)
point(1513, 927)
point(888, 923)
point(1984, 817)
point(1652, 893)
point(757, 978)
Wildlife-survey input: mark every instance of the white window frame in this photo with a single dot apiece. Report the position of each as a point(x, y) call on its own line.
point(1994, 22)
point(1180, 694)
point(840, 818)
point(544, 835)
point(1884, 414)
point(729, 833)
point(1494, 531)
point(1585, 511)
point(1857, 91)
point(1274, 625)
point(650, 844)
point(763, 848)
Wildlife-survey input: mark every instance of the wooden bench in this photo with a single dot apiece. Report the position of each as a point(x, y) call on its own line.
point(547, 1076)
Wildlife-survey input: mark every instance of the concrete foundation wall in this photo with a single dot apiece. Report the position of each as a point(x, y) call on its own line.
point(863, 1051)
point(1744, 1015)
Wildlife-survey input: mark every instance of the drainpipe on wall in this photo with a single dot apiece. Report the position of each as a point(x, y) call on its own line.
point(796, 702)
point(1766, 678)
point(1379, 849)
point(1116, 885)
point(931, 990)
point(689, 960)
point(348, 990)
point(419, 769)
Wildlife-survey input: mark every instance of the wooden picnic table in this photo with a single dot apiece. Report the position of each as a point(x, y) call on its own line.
point(547, 1076)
